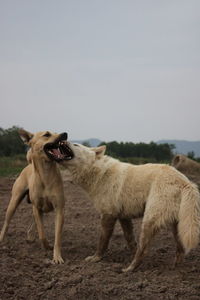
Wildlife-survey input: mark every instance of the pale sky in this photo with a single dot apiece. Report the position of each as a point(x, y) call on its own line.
point(125, 70)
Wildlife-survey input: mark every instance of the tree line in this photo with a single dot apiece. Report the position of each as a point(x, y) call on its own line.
point(153, 151)
point(11, 144)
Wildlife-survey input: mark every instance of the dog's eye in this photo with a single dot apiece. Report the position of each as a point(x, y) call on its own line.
point(47, 134)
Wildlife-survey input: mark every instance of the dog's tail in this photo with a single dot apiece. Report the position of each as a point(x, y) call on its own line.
point(189, 217)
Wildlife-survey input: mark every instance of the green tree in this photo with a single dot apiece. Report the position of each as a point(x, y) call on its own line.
point(10, 142)
point(153, 151)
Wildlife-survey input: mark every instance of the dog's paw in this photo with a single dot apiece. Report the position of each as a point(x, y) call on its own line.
point(57, 260)
point(128, 269)
point(93, 258)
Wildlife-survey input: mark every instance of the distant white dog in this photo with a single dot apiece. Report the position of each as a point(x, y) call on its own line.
point(124, 191)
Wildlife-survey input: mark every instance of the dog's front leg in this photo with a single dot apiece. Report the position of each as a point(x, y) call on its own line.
point(57, 258)
point(40, 227)
point(107, 226)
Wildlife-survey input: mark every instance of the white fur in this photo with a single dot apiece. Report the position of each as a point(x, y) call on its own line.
point(160, 192)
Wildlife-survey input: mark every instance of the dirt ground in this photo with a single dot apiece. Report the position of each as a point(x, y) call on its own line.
point(26, 271)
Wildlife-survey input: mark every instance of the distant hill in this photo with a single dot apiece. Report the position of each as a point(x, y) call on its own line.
point(93, 142)
point(183, 147)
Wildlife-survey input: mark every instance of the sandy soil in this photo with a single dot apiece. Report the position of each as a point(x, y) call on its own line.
point(26, 271)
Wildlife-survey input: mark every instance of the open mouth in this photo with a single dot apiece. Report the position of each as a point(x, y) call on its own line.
point(58, 150)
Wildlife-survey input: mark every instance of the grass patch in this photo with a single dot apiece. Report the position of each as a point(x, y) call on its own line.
point(12, 165)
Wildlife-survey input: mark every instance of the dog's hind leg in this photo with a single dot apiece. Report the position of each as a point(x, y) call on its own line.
point(107, 226)
point(20, 189)
point(147, 232)
point(40, 227)
point(127, 227)
point(179, 247)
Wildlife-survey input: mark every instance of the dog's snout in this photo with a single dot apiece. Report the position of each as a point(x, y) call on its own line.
point(64, 136)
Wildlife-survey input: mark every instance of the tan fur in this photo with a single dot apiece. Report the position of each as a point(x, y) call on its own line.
point(183, 163)
point(42, 181)
point(29, 156)
point(188, 167)
point(124, 191)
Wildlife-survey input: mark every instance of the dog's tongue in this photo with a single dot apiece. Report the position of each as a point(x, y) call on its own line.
point(57, 152)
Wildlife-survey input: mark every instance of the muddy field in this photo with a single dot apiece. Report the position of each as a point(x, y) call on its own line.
point(26, 271)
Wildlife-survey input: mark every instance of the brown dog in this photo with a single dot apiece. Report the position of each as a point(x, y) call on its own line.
point(42, 181)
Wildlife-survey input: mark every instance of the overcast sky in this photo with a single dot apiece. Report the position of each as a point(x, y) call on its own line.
point(125, 70)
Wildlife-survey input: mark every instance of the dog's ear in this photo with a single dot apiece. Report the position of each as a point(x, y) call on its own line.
point(100, 151)
point(25, 135)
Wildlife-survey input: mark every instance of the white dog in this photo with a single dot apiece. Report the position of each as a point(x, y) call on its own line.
point(123, 191)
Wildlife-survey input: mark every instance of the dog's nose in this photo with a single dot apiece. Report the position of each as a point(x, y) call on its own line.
point(63, 136)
